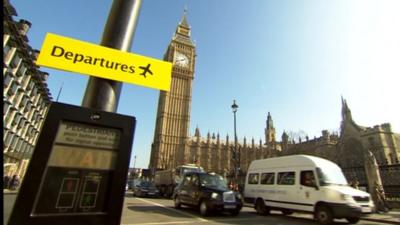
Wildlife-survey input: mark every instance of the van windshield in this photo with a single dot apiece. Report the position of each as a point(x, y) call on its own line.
point(331, 175)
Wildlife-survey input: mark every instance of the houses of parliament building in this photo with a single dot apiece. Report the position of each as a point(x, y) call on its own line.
point(172, 146)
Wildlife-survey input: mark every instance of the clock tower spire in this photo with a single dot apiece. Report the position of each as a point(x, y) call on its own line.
point(173, 114)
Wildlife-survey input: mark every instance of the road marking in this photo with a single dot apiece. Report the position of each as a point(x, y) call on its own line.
point(172, 209)
point(157, 223)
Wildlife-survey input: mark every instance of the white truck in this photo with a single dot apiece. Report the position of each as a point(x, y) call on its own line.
point(304, 183)
point(167, 180)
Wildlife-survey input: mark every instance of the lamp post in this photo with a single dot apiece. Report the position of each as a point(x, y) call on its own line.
point(235, 151)
point(134, 169)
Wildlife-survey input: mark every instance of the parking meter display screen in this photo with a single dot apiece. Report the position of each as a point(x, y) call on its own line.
point(79, 171)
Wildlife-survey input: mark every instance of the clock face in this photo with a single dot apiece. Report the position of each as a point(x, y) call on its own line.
point(181, 60)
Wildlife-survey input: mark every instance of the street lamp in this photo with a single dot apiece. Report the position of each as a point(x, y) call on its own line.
point(236, 153)
point(134, 170)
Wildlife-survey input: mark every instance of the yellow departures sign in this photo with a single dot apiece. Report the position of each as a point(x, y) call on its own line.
point(72, 55)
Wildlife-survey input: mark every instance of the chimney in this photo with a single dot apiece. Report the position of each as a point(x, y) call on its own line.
point(23, 26)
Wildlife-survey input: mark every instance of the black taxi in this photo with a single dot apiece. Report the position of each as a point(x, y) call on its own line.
point(208, 192)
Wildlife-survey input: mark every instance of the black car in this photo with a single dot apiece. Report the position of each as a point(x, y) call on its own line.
point(145, 189)
point(208, 192)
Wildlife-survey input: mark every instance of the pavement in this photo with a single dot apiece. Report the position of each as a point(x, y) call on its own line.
point(391, 217)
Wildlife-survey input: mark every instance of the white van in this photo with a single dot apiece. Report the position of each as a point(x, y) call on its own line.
point(304, 183)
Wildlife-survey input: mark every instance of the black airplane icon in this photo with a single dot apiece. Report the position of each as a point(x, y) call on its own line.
point(146, 69)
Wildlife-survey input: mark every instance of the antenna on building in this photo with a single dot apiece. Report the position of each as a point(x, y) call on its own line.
point(59, 92)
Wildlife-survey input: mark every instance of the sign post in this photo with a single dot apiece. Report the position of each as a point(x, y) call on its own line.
point(118, 33)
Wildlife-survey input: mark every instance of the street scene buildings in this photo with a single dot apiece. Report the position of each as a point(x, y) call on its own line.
point(364, 153)
point(25, 94)
point(354, 148)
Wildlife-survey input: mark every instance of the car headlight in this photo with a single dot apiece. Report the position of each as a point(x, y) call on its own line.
point(346, 197)
point(214, 195)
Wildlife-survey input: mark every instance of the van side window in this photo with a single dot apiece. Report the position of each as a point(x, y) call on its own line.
point(307, 178)
point(286, 178)
point(267, 178)
point(253, 178)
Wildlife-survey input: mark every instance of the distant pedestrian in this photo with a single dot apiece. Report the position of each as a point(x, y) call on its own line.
point(231, 186)
point(6, 182)
point(14, 182)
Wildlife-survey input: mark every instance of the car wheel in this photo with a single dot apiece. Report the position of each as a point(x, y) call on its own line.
point(261, 208)
point(204, 210)
point(177, 202)
point(286, 212)
point(324, 215)
point(353, 220)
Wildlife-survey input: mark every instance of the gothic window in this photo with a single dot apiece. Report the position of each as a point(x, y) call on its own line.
point(21, 123)
point(14, 142)
point(23, 146)
point(34, 91)
point(30, 86)
point(8, 116)
point(17, 97)
point(14, 62)
point(6, 106)
point(19, 143)
point(16, 119)
point(28, 107)
point(23, 102)
point(6, 51)
point(25, 82)
point(13, 89)
point(29, 133)
point(21, 70)
point(7, 79)
point(8, 136)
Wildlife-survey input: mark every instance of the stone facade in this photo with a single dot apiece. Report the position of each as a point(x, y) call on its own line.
point(216, 154)
point(25, 94)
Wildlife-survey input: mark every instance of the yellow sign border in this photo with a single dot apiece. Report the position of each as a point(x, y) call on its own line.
point(73, 55)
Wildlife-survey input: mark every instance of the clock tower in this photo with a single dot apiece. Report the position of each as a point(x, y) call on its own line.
point(173, 113)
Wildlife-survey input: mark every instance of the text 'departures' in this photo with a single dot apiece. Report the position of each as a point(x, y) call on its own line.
point(72, 55)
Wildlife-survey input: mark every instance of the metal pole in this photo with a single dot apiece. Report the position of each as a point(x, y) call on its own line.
point(118, 33)
point(134, 168)
point(134, 162)
point(59, 92)
point(236, 152)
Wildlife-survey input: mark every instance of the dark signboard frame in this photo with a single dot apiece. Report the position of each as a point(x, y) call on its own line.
point(35, 193)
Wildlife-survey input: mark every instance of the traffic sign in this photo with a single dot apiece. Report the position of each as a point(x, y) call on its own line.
point(73, 55)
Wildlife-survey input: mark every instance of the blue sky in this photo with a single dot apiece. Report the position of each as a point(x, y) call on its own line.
point(293, 58)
